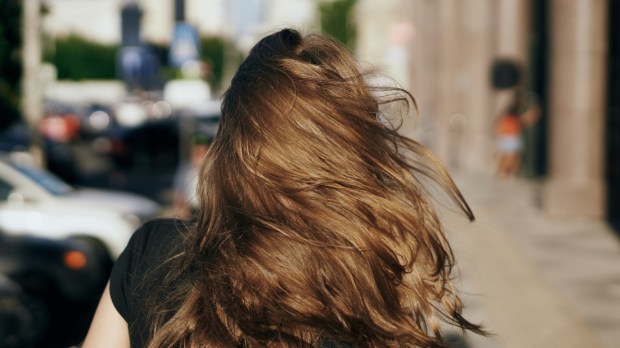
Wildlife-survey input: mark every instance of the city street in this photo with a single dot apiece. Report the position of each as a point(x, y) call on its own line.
point(120, 100)
point(532, 279)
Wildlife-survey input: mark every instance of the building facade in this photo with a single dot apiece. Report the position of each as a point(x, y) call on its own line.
point(568, 52)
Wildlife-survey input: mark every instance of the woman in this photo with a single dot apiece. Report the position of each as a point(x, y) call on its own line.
point(314, 229)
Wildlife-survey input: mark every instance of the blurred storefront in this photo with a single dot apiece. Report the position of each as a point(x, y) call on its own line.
point(569, 55)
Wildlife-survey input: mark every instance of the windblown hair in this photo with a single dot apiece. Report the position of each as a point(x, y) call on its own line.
point(315, 229)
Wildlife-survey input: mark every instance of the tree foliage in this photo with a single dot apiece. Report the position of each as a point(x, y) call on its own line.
point(337, 21)
point(77, 58)
point(217, 52)
point(212, 53)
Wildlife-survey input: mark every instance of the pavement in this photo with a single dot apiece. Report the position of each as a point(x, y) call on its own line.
point(532, 279)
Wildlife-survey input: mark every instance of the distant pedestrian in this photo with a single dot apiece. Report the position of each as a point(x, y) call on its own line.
point(185, 187)
point(314, 228)
point(510, 137)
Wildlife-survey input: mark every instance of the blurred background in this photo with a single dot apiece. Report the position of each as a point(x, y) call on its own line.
point(106, 107)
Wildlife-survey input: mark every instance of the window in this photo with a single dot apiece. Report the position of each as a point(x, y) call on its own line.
point(5, 190)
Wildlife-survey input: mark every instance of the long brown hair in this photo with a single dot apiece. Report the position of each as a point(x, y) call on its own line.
point(314, 228)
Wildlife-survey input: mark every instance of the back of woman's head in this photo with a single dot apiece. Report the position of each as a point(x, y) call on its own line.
point(314, 225)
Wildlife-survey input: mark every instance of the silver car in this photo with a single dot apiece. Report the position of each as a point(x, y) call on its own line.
point(35, 202)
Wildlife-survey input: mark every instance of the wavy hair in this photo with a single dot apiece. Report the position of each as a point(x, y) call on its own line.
point(315, 229)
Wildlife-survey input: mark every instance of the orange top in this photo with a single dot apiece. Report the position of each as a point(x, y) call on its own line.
point(509, 125)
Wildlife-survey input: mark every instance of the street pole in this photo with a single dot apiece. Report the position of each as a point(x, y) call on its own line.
point(31, 84)
point(179, 11)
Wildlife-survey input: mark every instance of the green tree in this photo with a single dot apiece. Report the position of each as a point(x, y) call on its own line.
point(213, 52)
point(216, 51)
point(10, 61)
point(77, 58)
point(337, 21)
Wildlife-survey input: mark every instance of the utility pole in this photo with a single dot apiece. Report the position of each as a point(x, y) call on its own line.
point(179, 11)
point(32, 105)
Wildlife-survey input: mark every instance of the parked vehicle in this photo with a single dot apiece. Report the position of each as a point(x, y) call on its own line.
point(97, 120)
point(60, 122)
point(17, 323)
point(34, 201)
point(48, 290)
point(15, 138)
point(71, 132)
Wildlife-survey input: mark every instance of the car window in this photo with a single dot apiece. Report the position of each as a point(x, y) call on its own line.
point(45, 179)
point(5, 190)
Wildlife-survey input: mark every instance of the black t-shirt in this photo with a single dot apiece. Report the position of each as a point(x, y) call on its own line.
point(137, 282)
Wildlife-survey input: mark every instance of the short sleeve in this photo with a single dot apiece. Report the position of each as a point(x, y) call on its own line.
point(124, 268)
point(137, 277)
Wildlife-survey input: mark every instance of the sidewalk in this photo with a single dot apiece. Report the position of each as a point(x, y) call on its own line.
point(534, 280)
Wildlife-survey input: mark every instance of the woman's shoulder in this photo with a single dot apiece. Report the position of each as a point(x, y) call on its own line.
point(138, 278)
point(164, 225)
point(158, 238)
point(160, 231)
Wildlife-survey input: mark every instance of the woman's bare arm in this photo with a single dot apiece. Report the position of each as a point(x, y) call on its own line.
point(108, 328)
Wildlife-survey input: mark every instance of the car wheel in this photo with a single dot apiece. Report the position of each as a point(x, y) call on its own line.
point(24, 319)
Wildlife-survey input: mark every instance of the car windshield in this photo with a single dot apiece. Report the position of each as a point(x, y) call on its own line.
point(47, 180)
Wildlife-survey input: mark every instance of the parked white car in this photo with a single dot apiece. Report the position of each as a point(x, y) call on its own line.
point(35, 202)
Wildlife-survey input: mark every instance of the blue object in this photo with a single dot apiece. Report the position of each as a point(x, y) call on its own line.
point(185, 46)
